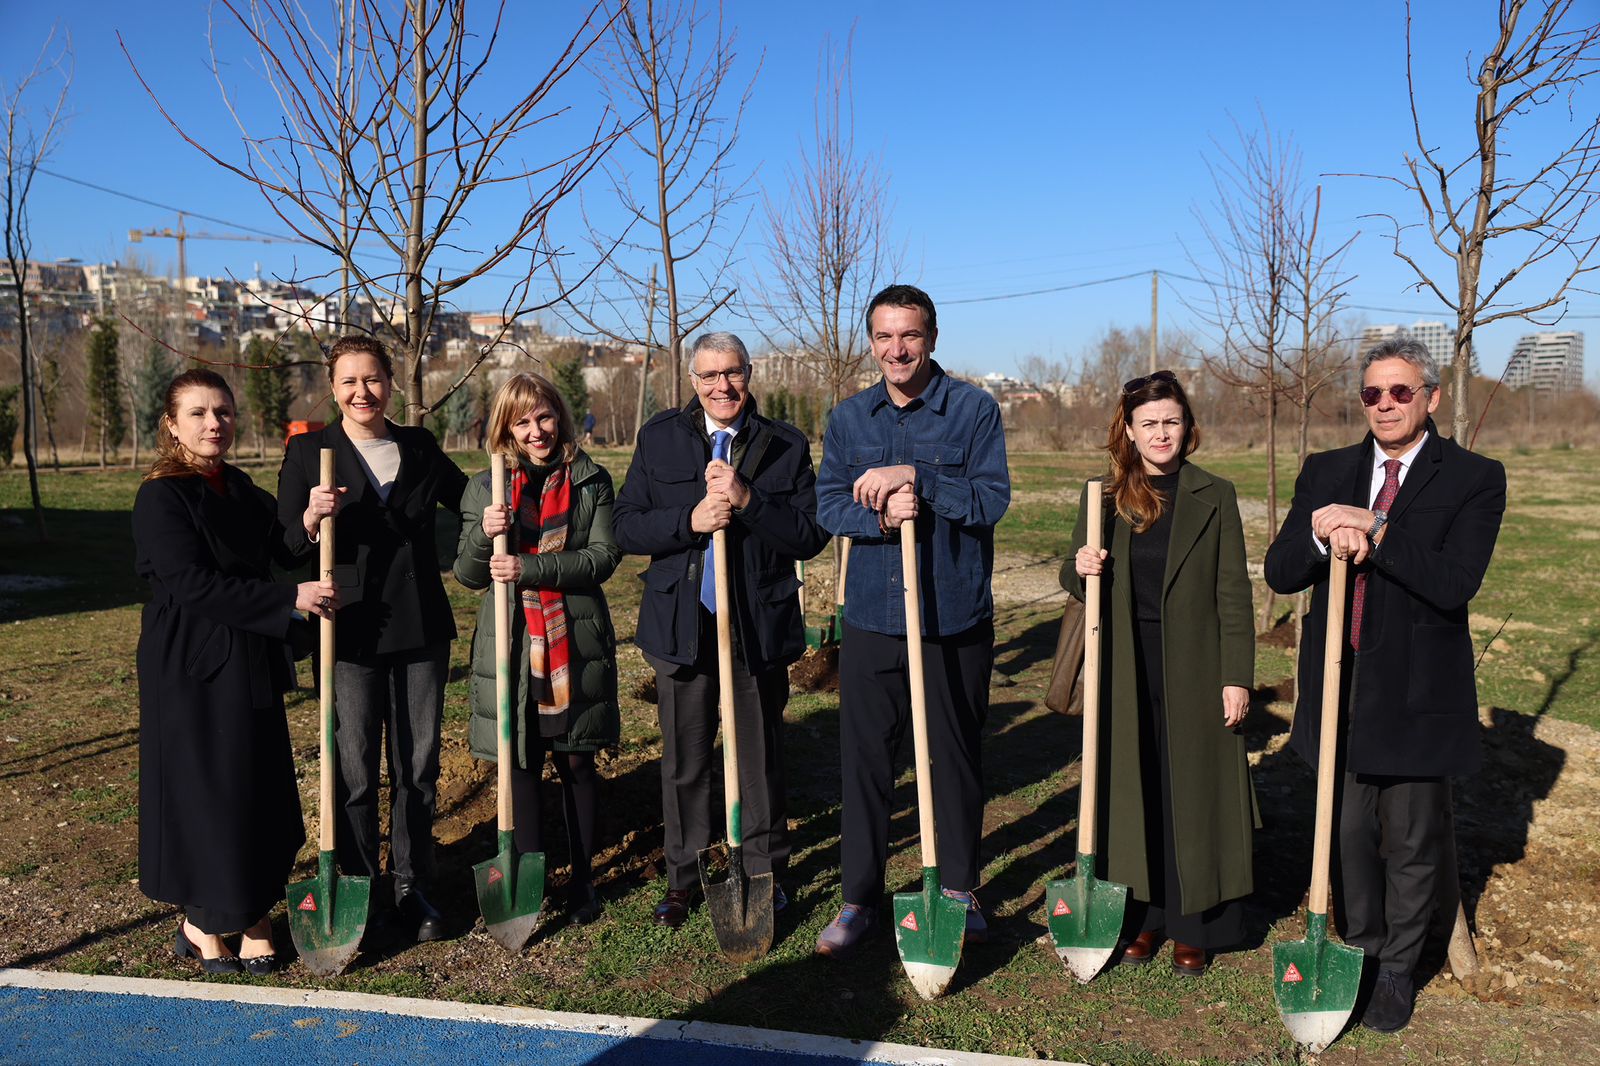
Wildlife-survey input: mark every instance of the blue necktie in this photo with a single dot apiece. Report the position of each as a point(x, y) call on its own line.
point(708, 577)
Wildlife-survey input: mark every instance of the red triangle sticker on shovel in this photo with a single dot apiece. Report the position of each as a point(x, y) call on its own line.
point(1061, 908)
point(1292, 975)
point(910, 922)
point(495, 875)
point(307, 904)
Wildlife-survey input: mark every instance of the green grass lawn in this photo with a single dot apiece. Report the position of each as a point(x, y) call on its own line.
point(68, 712)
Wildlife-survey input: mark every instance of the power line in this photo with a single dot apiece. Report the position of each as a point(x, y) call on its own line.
point(165, 207)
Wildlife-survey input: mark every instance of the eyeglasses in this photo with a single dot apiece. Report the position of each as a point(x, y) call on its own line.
point(1401, 393)
point(1131, 387)
point(735, 376)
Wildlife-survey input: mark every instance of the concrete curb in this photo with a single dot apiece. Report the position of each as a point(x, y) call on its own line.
point(735, 1036)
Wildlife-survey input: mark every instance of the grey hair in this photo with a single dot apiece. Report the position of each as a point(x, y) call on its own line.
point(720, 342)
point(1412, 351)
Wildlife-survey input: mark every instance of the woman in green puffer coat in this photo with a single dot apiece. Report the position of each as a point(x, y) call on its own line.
point(563, 649)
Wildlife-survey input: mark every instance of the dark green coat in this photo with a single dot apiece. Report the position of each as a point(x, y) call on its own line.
point(1208, 641)
point(590, 557)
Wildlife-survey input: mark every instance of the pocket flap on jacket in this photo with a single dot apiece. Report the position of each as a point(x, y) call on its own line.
point(657, 579)
point(209, 659)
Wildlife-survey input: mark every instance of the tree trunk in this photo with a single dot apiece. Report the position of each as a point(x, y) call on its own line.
point(30, 431)
point(415, 333)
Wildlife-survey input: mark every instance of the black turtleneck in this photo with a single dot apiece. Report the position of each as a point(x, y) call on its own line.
point(1148, 551)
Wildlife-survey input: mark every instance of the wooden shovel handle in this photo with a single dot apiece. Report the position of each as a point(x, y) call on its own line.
point(325, 826)
point(730, 739)
point(919, 692)
point(1327, 752)
point(502, 658)
point(844, 568)
point(1089, 785)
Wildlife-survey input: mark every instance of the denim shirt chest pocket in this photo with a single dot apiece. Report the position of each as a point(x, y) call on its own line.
point(863, 458)
point(939, 453)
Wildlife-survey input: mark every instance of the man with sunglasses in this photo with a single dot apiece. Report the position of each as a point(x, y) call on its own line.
point(918, 444)
point(719, 464)
point(1417, 516)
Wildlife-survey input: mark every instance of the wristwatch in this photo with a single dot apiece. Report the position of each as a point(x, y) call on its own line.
point(1378, 520)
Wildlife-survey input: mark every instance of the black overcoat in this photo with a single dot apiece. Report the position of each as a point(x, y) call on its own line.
point(665, 481)
point(219, 813)
point(385, 556)
point(1411, 697)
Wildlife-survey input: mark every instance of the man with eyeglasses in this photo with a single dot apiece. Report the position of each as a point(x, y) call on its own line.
point(719, 464)
point(1417, 516)
point(918, 444)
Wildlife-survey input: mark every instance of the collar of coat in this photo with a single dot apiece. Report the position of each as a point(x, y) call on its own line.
point(349, 471)
point(1194, 508)
point(757, 428)
point(1424, 468)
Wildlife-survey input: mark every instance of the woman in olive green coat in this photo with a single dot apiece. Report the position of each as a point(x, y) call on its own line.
point(563, 648)
point(1178, 662)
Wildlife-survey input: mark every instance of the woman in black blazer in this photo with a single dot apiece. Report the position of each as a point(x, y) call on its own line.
point(219, 812)
point(394, 626)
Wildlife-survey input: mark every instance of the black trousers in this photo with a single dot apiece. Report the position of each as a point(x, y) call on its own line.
point(580, 804)
point(402, 694)
point(687, 700)
point(1388, 855)
point(874, 717)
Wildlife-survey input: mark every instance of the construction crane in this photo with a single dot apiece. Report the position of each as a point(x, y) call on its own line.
point(182, 234)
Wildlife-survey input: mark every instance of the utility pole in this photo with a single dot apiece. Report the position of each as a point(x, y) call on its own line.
point(1155, 296)
point(649, 343)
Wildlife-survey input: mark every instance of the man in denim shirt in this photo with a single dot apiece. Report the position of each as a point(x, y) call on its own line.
point(919, 444)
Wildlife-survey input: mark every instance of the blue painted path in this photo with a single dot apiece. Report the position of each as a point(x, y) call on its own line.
point(48, 1018)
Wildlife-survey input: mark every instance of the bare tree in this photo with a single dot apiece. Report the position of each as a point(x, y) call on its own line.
point(1254, 243)
point(671, 63)
point(1538, 215)
point(1317, 288)
point(384, 138)
point(828, 241)
point(27, 144)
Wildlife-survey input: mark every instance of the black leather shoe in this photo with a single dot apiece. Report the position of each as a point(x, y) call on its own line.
point(184, 948)
point(420, 914)
point(673, 909)
point(1389, 1009)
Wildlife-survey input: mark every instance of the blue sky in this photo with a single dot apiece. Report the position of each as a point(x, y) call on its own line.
point(1028, 145)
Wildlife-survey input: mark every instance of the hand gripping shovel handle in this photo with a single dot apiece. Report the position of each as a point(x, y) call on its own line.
point(325, 765)
point(502, 663)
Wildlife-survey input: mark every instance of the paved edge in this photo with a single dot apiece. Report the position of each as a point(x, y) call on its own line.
point(598, 1024)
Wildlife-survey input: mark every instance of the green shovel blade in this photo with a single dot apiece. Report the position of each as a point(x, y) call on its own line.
point(1085, 915)
point(327, 916)
point(510, 893)
point(929, 928)
point(1316, 982)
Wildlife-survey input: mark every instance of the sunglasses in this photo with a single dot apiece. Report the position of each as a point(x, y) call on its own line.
point(1131, 387)
point(1401, 393)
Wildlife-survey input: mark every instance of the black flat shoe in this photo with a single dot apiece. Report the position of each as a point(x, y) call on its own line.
point(260, 965)
point(184, 948)
point(421, 916)
point(583, 908)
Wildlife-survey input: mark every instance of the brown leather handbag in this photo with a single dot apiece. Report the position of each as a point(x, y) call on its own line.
point(1066, 676)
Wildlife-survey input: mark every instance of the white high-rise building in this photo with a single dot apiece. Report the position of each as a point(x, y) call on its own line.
point(1440, 339)
point(1548, 362)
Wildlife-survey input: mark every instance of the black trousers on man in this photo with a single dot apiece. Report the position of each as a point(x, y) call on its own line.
point(1388, 854)
point(686, 698)
point(874, 717)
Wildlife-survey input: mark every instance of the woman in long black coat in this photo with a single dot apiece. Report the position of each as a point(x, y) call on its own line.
point(219, 813)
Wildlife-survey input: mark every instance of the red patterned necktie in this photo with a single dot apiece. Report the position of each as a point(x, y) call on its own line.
point(1386, 495)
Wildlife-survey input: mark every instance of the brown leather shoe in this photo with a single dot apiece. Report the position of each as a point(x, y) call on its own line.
point(1188, 960)
point(673, 909)
point(1141, 949)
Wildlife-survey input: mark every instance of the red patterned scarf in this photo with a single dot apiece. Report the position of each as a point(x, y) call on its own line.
point(545, 609)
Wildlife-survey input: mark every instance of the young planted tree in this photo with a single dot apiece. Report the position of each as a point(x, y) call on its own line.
point(670, 62)
point(1528, 213)
point(828, 243)
point(29, 137)
point(104, 389)
point(388, 132)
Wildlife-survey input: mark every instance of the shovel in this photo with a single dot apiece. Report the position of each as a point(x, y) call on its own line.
point(1086, 913)
point(929, 927)
point(1316, 980)
point(510, 886)
point(327, 914)
point(740, 905)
